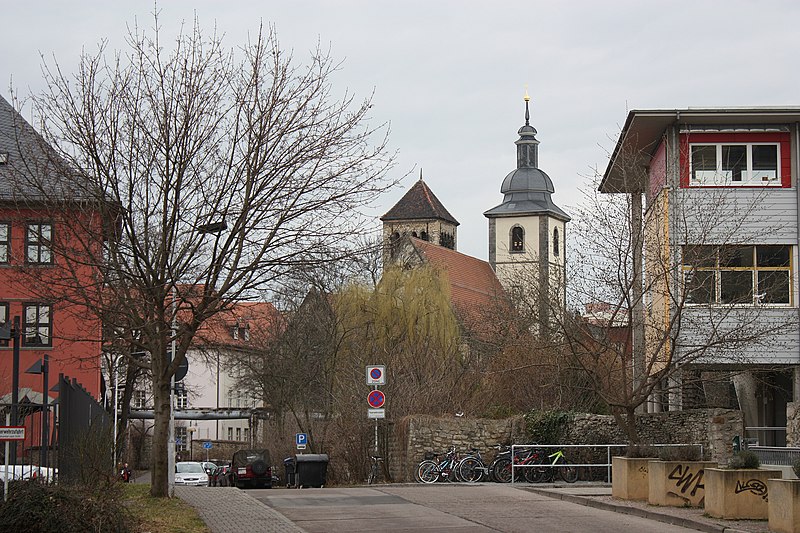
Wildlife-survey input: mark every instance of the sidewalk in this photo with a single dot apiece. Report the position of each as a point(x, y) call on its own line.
point(599, 496)
point(230, 510)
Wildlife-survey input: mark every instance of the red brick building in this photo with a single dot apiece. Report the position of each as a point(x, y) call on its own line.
point(38, 285)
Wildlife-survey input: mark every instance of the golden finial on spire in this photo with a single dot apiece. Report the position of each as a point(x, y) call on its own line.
point(527, 111)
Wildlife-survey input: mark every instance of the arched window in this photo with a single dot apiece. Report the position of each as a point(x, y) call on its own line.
point(517, 239)
point(423, 235)
point(555, 242)
point(414, 234)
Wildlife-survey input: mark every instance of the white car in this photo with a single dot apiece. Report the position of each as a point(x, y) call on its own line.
point(190, 473)
point(27, 472)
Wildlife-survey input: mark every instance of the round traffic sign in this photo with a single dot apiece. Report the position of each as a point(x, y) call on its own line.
point(376, 399)
point(375, 373)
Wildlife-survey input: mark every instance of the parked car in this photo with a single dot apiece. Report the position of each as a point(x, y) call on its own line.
point(251, 468)
point(190, 473)
point(28, 472)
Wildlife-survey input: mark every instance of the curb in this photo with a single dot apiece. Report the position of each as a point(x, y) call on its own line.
point(635, 511)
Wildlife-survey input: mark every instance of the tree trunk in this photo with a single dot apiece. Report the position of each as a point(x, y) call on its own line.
point(160, 461)
point(626, 420)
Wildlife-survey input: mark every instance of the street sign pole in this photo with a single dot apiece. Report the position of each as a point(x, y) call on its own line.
point(376, 428)
point(5, 482)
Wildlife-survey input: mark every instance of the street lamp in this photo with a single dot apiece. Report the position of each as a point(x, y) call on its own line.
point(42, 367)
point(12, 333)
point(211, 228)
point(190, 430)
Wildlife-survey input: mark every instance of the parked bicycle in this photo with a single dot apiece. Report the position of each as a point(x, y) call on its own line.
point(472, 468)
point(375, 469)
point(524, 460)
point(433, 470)
point(552, 466)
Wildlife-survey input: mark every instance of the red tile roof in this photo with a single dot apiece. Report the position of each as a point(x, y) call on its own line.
point(261, 319)
point(474, 287)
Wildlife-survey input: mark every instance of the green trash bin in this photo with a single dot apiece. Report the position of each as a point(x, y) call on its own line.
point(311, 469)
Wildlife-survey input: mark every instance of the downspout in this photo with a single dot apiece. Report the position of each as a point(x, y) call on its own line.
point(795, 169)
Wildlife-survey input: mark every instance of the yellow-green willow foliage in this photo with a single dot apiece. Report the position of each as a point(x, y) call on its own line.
point(406, 323)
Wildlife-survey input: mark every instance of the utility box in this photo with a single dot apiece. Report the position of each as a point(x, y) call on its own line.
point(288, 467)
point(311, 469)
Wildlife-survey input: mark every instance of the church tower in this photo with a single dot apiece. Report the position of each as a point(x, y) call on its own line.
point(419, 214)
point(527, 231)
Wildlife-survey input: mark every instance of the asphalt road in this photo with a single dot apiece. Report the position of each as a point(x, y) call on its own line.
point(453, 508)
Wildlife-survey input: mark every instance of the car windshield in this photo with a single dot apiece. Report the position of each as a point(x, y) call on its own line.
point(189, 468)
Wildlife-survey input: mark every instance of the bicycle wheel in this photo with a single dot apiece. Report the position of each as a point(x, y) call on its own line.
point(568, 473)
point(501, 470)
point(428, 472)
point(470, 470)
point(534, 473)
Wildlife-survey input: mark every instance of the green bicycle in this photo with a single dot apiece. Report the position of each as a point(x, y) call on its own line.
point(552, 466)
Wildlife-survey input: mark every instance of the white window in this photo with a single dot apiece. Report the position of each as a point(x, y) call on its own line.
point(180, 438)
point(247, 434)
point(182, 399)
point(734, 164)
point(239, 434)
point(744, 275)
point(230, 433)
point(139, 399)
point(4, 321)
point(37, 325)
point(38, 243)
point(5, 241)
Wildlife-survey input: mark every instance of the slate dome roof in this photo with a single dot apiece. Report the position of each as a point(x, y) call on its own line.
point(527, 190)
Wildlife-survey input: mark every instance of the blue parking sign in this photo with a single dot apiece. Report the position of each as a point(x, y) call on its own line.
point(301, 439)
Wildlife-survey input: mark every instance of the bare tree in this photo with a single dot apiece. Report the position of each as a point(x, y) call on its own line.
point(210, 173)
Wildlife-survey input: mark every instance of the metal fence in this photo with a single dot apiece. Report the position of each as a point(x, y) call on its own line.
point(590, 458)
point(84, 434)
point(776, 456)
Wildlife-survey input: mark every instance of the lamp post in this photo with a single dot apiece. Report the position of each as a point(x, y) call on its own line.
point(214, 228)
point(42, 367)
point(190, 430)
point(171, 441)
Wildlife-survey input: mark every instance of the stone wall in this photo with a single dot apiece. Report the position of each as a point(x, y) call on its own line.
point(713, 428)
point(413, 436)
point(793, 424)
point(410, 438)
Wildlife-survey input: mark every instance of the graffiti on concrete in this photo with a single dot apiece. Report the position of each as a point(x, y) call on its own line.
point(685, 480)
point(756, 486)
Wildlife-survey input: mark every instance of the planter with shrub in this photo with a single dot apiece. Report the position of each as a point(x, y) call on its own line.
point(676, 479)
point(740, 490)
point(784, 503)
point(629, 473)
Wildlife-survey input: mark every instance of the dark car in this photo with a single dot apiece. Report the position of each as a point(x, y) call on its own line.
point(251, 468)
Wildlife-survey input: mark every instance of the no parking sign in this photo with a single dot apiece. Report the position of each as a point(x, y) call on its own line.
point(376, 375)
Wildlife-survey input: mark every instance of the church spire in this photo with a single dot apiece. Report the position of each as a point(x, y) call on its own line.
point(527, 145)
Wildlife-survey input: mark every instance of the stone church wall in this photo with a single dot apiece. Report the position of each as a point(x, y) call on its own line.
point(410, 438)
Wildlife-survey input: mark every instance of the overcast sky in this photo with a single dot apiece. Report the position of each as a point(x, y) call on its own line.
point(450, 75)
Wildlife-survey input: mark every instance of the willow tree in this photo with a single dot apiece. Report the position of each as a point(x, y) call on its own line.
point(212, 171)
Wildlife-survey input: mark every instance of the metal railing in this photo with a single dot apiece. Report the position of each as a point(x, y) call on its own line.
point(602, 450)
point(776, 456)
